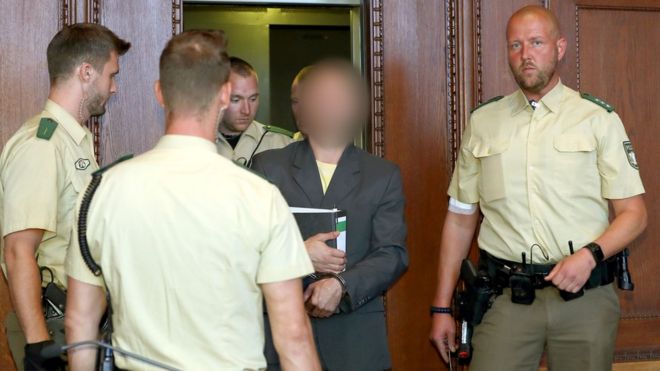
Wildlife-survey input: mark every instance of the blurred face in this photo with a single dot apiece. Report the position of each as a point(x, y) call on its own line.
point(103, 86)
point(331, 107)
point(243, 104)
point(534, 49)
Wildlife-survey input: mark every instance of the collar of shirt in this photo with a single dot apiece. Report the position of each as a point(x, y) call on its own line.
point(68, 122)
point(253, 130)
point(552, 100)
point(172, 141)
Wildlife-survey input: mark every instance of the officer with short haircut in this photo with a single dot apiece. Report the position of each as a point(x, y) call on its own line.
point(43, 168)
point(543, 165)
point(240, 136)
point(188, 244)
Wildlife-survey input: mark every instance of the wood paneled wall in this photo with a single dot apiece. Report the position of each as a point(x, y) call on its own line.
point(429, 63)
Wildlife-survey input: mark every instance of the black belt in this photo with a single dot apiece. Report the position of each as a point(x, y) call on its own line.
point(500, 271)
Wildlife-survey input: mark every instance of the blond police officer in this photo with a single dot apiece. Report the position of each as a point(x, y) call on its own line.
point(240, 136)
point(189, 243)
point(43, 167)
point(542, 165)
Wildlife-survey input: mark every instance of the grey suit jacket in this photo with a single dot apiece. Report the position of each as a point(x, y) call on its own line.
point(369, 189)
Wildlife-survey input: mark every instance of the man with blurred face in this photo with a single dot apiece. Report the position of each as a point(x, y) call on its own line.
point(43, 168)
point(345, 297)
point(240, 136)
point(187, 293)
point(543, 165)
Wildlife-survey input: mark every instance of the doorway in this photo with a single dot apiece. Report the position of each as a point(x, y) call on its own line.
point(279, 39)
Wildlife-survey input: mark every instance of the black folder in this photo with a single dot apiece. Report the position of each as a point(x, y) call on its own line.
point(314, 221)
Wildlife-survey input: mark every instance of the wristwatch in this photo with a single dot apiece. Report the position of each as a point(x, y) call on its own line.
point(596, 251)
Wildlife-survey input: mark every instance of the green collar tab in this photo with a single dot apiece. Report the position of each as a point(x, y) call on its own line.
point(46, 128)
point(278, 130)
point(103, 169)
point(491, 100)
point(608, 107)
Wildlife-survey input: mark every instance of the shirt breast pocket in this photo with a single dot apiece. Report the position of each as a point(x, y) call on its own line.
point(491, 180)
point(576, 154)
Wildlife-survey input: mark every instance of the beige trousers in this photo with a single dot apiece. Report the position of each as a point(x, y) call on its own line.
point(577, 335)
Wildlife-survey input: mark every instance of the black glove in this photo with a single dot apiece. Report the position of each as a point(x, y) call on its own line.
point(33, 360)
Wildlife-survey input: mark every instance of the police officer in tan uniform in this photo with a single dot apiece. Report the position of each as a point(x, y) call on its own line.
point(43, 168)
point(240, 136)
point(183, 291)
point(542, 164)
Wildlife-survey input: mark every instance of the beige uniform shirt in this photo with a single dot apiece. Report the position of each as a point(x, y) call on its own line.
point(543, 176)
point(248, 142)
point(40, 180)
point(184, 238)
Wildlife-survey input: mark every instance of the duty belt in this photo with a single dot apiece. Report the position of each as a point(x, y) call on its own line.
point(500, 271)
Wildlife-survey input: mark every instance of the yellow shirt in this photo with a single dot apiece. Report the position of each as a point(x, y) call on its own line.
point(326, 171)
point(248, 142)
point(40, 180)
point(543, 176)
point(184, 238)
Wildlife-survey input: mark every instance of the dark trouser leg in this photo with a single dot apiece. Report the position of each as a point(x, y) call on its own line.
point(15, 339)
point(511, 336)
point(582, 332)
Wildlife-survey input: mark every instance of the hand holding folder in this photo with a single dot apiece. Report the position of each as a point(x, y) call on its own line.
point(323, 229)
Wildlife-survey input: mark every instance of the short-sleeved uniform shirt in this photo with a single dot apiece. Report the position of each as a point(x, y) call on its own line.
point(40, 180)
point(544, 176)
point(248, 142)
point(184, 238)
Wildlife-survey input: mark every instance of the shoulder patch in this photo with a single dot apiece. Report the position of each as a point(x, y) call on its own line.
point(105, 168)
point(608, 107)
point(491, 100)
point(46, 128)
point(278, 130)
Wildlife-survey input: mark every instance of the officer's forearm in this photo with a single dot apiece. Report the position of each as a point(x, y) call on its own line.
point(24, 283)
point(292, 332)
point(629, 222)
point(456, 240)
point(84, 308)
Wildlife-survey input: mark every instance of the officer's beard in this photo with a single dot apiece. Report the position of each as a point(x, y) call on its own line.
point(96, 103)
point(539, 81)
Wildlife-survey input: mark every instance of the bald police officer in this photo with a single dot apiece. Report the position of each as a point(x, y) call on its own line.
point(183, 291)
point(542, 165)
point(43, 167)
point(240, 136)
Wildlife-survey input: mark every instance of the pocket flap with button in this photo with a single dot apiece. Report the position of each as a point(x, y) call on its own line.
point(575, 143)
point(489, 152)
point(480, 148)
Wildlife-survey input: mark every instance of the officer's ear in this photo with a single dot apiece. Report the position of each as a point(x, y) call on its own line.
point(159, 94)
point(225, 94)
point(85, 72)
point(561, 48)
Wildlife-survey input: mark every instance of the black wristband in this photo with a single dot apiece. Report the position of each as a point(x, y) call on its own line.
point(441, 310)
point(596, 252)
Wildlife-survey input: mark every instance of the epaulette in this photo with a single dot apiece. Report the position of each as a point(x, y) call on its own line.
point(46, 128)
point(278, 130)
point(491, 100)
point(105, 168)
point(608, 107)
